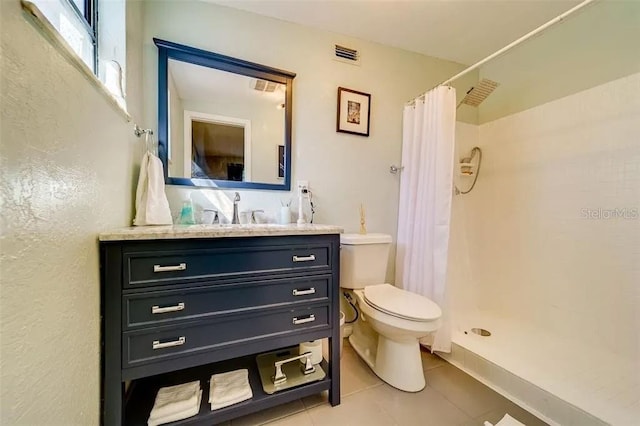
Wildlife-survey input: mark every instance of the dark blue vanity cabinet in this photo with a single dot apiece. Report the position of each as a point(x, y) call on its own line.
point(176, 310)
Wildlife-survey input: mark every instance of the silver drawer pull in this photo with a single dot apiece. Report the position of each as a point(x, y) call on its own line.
point(155, 309)
point(157, 345)
point(297, 292)
point(310, 318)
point(180, 267)
point(309, 258)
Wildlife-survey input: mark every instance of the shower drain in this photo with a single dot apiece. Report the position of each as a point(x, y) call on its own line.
point(481, 332)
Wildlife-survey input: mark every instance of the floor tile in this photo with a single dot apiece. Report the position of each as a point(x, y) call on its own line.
point(464, 391)
point(315, 400)
point(515, 411)
point(358, 409)
point(423, 408)
point(451, 398)
point(270, 414)
point(298, 419)
point(430, 360)
point(355, 374)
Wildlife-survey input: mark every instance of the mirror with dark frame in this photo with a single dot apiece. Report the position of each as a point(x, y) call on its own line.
point(222, 122)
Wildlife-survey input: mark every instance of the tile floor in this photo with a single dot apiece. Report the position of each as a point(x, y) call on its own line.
point(450, 398)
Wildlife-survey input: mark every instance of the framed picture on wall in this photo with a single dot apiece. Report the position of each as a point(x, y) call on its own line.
point(281, 161)
point(354, 112)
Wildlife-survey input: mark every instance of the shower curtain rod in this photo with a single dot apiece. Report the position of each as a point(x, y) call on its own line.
point(525, 37)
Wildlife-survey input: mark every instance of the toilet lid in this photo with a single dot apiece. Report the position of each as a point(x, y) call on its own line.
point(401, 303)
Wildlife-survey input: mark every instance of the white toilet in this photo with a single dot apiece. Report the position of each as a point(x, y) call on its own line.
point(391, 320)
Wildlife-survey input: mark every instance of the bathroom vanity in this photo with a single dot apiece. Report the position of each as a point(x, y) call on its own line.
point(180, 303)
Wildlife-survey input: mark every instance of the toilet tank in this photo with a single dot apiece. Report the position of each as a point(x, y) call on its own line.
point(363, 259)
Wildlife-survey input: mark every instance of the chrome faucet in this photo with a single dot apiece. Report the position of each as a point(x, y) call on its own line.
point(236, 200)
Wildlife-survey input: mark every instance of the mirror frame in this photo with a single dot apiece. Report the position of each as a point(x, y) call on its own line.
point(169, 50)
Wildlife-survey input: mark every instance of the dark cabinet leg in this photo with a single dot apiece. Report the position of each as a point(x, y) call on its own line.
point(334, 341)
point(112, 403)
point(334, 365)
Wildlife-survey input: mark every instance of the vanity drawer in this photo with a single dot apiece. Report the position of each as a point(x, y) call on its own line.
point(166, 267)
point(162, 307)
point(142, 347)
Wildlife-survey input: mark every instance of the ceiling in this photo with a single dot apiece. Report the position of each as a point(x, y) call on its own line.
point(463, 31)
point(593, 46)
point(202, 84)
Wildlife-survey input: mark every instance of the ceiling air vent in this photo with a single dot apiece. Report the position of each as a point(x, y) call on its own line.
point(265, 86)
point(347, 55)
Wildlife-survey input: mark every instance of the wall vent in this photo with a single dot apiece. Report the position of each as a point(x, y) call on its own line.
point(346, 55)
point(265, 86)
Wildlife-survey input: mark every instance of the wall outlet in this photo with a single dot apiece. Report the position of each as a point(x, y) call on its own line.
point(303, 188)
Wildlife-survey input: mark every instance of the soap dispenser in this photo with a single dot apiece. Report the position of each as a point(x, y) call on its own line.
point(186, 214)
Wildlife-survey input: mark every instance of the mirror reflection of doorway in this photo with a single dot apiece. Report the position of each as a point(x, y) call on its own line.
point(220, 147)
point(218, 151)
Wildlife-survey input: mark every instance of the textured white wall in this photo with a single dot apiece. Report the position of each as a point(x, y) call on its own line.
point(533, 253)
point(68, 161)
point(343, 170)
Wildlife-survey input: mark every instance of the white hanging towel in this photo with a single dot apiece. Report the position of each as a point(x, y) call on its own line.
point(229, 388)
point(176, 403)
point(152, 207)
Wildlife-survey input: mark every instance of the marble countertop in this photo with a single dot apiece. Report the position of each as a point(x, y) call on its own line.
point(172, 232)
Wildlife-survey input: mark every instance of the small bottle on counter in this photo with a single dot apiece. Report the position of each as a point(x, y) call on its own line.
point(186, 214)
point(285, 215)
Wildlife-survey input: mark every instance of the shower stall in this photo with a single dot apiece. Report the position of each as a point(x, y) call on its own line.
point(544, 252)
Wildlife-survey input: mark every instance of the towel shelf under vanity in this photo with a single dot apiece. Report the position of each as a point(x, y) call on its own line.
point(176, 310)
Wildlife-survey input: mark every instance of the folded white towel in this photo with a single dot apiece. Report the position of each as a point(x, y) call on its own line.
point(176, 400)
point(152, 207)
point(507, 420)
point(247, 395)
point(181, 415)
point(229, 388)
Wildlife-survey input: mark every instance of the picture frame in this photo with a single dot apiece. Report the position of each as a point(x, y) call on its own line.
point(354, 112)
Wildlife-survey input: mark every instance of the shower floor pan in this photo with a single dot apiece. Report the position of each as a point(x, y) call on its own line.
point(562, 382)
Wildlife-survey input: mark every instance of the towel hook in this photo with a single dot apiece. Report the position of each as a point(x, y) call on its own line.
point(393, 169)
point(138, 131)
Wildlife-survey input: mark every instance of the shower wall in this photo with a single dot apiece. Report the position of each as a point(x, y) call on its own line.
point(463, 294)
point(551, 233)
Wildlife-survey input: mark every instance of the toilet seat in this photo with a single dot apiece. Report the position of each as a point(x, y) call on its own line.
point(401, 303)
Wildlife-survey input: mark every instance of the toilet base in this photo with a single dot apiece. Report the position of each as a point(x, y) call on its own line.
point(397, 363)
point(400, 364)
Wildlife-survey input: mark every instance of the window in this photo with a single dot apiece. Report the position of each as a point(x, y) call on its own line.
point(84, 10)
point(100, 45)
point(76, 22)
point(82, 7)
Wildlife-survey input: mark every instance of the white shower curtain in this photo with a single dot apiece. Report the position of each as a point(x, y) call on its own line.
point(424, 215)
